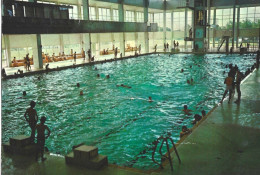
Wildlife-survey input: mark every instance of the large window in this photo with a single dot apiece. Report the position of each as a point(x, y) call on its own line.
point(139, 17)
point(73, 12)
point(150, 17)
point(129, 16)
point(224, 18)
point(178, 21)
point(168, 22)
point(92, 13)
point(115, 15)
point(158, 18)
point(104, 14)
point(249, 17)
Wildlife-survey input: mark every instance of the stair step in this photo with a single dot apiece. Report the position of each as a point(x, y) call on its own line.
point(20, 141)
point(69, 158)
point(98, 162)
point(85, 153)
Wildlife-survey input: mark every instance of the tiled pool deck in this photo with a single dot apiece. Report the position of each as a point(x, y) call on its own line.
point(227, 142)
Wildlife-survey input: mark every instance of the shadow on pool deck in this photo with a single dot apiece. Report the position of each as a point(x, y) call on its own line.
point(227, 142)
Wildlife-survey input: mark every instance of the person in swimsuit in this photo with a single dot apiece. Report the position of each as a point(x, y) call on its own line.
point(186, 110)
point(33, 118)
point(229, 83)
point(184, 131)
point(40, 128)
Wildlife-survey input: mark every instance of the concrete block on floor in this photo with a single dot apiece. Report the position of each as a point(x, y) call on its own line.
point(69, 158)
point(7, 147)
point(85, 153)
point(98, 162)
point(29, 150)
point(20, 141)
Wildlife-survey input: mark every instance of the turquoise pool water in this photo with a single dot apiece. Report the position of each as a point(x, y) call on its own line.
point(118, 120)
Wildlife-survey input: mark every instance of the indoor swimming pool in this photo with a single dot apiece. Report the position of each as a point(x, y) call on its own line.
point(118, 120)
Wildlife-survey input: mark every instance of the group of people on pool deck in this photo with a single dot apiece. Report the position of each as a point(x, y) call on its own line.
point(196, 117)
point(232, 82)
point(31, 117)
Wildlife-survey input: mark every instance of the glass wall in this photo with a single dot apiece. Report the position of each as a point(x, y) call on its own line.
point(92, 13)
point(158, 18)
point(129, 16)
point(115, 15)
point(104, 14)
point(139, 17)
point(150, 18)
point(73, 12)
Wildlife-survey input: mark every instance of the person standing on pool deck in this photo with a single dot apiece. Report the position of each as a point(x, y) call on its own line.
point(33, 118)
point(228, 81)
point(239, 77)
point(40, 128)
point(75, 56)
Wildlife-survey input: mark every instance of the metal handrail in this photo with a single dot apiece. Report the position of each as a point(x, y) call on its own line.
point(165, 139)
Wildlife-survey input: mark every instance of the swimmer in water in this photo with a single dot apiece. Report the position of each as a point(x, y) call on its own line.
point(190, 66)
point(182, 70)
point(78, 85)
point(81, 93)
point(107, 76)
point(186, 110)
point(191, 81)
point(122, 85)
point(24, 93)
point(98, 75)
point(184, 131)
point(188, 81)
point(150, 99)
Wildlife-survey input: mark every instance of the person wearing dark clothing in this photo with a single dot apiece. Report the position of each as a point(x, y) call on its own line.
point(74, 56)
point(197, 118)
point(40, 128)
point(33, 118)
point(3, 73)
point(239, 77)
point(89, 55)
point(257, 59)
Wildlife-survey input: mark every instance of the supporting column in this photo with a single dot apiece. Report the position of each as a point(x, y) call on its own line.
point(8, 51)
point(79, 11)
point(164, 26)
point(122, 43)
point(97, 13)
point(238, 21)
point(85, 4)
point(214, 30)
point(135, 16)
point(61, 43)
point(146, 40)
point(136, 39)
point(111, 15)
point(121, 12)
point(185, 27)
point(172, 34)
point(37, 51)
point(233, 27)
point(121, 19)
point(146, 34)
point(208, 34)
point(86, 43)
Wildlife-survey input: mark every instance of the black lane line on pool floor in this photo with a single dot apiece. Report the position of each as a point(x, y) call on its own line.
point(126, 123)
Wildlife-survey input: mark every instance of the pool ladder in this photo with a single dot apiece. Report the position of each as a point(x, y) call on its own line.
point(165, 139)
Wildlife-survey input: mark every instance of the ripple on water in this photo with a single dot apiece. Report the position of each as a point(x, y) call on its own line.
point(119, 121)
